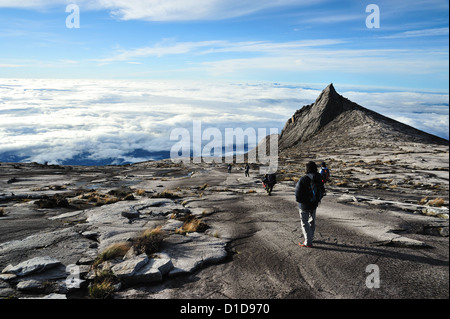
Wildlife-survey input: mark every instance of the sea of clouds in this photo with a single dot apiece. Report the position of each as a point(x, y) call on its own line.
point(95, 122)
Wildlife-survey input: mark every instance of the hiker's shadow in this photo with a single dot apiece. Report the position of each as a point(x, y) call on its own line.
point(380, 251)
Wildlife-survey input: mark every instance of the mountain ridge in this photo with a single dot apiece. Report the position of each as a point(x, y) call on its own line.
point(336, 119)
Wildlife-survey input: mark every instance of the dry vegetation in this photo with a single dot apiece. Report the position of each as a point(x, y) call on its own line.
point(437, 202)
point(191, 224)
point(98, 199)
point(149, 241)
point(103, 285)
point(166, 194)
point(114, 251)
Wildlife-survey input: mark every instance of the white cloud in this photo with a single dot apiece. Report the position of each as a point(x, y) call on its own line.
point(419, 33)
point(172, 47)
point(330, 17)
point(166, 10)
point(290, 56)
point(54, 120)
point(375, 61)
point(11, 65)
point(185, 10)
point(163, 48)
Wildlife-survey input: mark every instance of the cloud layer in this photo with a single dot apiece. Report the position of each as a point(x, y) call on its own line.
point(125, 121)
point(167, 10)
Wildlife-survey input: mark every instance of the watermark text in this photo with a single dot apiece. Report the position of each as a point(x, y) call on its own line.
point(373, 19)
point(211, 146)
point(73, 19)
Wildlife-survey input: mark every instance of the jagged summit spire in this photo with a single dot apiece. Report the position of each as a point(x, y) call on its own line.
point(330, 88)
point(328, 94)
point(333, 114)
point(311, 118)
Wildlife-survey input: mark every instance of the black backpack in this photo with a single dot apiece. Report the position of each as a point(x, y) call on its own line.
point(272, 179)
point(315, 191)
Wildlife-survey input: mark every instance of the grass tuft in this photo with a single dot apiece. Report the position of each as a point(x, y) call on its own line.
point(114, 251)
point(192, 224)
point(437, 202)
point(103, 285)
point(149, 241)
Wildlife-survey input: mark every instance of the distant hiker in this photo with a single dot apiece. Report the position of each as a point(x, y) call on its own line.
point(325, 172)
point(308, 193)
point(229, 168)
point(247, 169)
point(269, 181)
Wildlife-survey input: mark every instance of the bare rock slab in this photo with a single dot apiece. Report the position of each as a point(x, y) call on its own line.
point(129, 267)
point(192, 251)
point(37, 264)
point(154, 270)
point(143, 270)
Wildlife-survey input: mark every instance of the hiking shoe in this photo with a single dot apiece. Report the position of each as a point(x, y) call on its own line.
point(304, 245)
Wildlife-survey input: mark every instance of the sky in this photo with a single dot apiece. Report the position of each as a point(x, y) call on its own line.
point(65, 70)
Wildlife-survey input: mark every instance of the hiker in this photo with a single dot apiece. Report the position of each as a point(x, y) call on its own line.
point(308, 193)
point(229, 168)
point(325, 172)
point(269, 181)
point(247, 169)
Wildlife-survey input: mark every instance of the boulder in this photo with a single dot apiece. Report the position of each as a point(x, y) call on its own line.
point(5, 290)
point(37, 264)
point(30, 286)
point(152, 272)
point(131, 213)
point(90, 234)
point(129, 267)
point(50, 296)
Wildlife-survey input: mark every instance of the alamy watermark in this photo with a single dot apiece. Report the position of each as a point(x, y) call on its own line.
point(373, 19)
point(73, 279)
point(73, 19)
point(373, 279)
point(210, 145)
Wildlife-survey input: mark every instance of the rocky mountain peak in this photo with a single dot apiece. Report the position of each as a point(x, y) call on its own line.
point(333, 115)
point(329, 94)
point(311, 118)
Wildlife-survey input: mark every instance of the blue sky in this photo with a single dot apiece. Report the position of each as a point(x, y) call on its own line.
point(311, 41)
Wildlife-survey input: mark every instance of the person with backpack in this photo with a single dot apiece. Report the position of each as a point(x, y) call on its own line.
point(247, 170)
point(308, 193)
point(325, 172)
point(269, 182)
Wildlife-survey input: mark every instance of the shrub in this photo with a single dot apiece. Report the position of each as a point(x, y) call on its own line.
point(149, 241)
point(140, 192)
point(56, 200)
point(166, 194)
point(122, 193)
point(437, 202)
point(192, 224)
point(113, 251)
point(103, 285)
